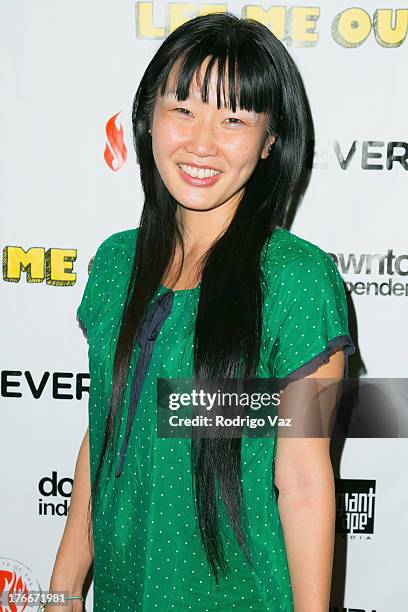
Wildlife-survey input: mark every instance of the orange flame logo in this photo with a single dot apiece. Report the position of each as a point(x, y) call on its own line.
point(12, 583)
point(115, 151)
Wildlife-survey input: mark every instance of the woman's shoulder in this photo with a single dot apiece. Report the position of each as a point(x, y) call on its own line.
point(123, 242)
point(288, 254)
point(109, 273)
point(114, 255)
point(306, 305)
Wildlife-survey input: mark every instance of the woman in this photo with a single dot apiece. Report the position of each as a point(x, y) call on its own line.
point(209, 285)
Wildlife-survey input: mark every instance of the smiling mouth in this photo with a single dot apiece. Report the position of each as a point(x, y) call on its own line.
point(200, 173)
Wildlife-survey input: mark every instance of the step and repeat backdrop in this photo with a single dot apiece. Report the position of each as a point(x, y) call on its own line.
point(69, 179)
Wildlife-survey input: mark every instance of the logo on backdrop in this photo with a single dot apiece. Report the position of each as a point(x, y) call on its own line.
point(355, 508)
point(57, 492)
point(295, 25)
point(53, 265)
point(17, 579)
point(374, 264)
point(58, 385)
point(115, 153)
point(364, 154)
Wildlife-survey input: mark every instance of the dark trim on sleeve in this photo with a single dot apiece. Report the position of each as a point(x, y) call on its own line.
point(344, 342)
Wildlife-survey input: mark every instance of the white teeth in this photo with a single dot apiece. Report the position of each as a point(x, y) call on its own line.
point(198, 172)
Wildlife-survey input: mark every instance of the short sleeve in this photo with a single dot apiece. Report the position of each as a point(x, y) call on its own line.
point(85, 308)
point(108, 278)
point(309, 314)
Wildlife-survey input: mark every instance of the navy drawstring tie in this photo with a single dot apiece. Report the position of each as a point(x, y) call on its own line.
point(146, 337)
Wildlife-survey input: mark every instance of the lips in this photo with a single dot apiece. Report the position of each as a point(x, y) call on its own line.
point(199, 176)
point(200, 172)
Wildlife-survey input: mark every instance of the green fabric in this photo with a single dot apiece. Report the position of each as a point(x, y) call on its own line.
point(148, 553)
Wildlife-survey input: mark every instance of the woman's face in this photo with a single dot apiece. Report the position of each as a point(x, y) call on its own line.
point(205, 155)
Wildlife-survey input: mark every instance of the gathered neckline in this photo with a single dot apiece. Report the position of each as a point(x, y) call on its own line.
point(179, 291)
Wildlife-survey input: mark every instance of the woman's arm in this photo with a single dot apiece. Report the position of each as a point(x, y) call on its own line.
point(306, 502)
point(74, 557)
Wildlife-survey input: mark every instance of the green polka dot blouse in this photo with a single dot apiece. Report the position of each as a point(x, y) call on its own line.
point(148, 554)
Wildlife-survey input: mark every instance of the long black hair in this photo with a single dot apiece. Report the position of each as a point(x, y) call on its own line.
point(261, 77)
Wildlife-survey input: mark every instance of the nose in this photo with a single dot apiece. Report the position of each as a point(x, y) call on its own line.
point(202, 140)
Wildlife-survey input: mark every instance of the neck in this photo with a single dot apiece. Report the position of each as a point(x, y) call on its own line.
point(200, 228)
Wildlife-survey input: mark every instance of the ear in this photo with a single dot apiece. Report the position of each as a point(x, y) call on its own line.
point(266, 149)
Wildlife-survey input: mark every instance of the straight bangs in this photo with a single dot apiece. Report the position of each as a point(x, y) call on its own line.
point(246, 76)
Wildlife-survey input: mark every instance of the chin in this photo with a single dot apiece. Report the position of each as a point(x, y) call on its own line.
point(195, 205)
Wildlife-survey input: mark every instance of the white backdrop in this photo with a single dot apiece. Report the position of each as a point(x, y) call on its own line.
point(69, 179)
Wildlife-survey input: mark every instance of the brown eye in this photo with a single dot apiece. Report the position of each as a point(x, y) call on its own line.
point(183, 111)
point(234, 121)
